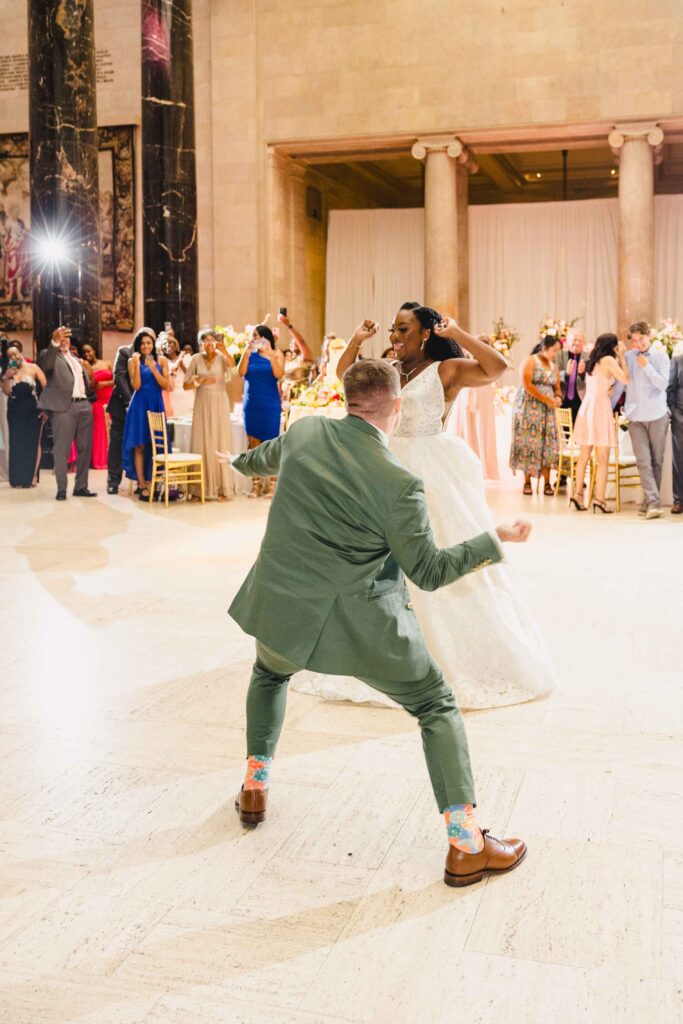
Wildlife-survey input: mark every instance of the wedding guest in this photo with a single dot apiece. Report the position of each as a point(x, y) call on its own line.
point(595, 427)
point(262, 367)
point(117, 408)
point(299, 360)
point(535, 445)
point(103, 378)
point(20, 383)
point(178, 401)
point(67, 398)
point(473, 418)
point(674, 395)
point(646, 409)
point(211, 432)
point(4, 429)
point(389, 353)
point(148, 377)
point(572, 366)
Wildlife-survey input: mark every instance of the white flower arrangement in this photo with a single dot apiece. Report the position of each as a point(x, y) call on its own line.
point(667, 337)
point(503, 338)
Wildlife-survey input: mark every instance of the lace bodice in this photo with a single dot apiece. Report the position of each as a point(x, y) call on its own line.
point(424, 405)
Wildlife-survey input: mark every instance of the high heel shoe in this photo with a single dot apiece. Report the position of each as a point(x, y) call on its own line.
point(578, 505)
point(602, 505)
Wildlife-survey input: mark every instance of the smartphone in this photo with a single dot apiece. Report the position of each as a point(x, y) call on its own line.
point(168, 326)
point(283, 311)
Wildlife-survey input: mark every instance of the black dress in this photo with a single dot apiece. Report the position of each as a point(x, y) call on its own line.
point(25, 426)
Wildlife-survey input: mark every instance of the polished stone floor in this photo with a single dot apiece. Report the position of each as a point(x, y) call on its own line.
point(129, 892)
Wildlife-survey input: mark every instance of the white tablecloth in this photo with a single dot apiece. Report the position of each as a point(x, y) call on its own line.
point(298, 412)
point(182, 433)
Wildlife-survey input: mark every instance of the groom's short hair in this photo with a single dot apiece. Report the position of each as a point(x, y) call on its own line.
point(371, 385)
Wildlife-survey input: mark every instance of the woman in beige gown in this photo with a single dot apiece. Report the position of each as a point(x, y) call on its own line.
point(207, 374)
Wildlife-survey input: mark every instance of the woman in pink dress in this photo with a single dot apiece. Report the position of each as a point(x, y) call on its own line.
point(473, 418)
point(104, 385)
point(595, 427)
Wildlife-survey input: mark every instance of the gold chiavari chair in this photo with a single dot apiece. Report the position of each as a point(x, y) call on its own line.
point(569, 452)
point(622, 470)
point(179, 468)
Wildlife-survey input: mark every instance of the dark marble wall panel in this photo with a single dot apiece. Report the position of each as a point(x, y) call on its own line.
point(169, 191)
point(63, 142)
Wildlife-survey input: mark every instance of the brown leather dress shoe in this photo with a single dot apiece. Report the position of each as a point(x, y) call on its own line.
point(251, 805)
point(676, 509)
point(498, 855)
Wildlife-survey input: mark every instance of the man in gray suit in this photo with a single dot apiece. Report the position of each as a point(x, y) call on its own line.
point(68, 398)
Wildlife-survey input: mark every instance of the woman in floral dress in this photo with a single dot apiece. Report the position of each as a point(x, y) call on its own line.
point(535, 446)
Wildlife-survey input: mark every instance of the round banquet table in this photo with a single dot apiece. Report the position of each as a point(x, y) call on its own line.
point(336, 411)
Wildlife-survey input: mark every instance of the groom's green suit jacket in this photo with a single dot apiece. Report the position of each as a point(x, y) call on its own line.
point(347, 524)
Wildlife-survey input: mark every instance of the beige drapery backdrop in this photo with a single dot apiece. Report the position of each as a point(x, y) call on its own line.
point(526, 261)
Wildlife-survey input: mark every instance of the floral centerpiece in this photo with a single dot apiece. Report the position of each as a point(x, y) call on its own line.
point(667, 336)
point(320, 394)
point(503, 338)
point(235, 341)
point(504, 397)
point(559, 328)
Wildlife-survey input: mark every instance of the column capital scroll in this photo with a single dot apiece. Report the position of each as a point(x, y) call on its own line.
point(647, 131)
point(448, 144)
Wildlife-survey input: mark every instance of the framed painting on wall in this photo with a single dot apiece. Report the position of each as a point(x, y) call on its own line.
point(116, 169)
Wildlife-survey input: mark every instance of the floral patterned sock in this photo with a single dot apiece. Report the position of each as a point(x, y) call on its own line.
point(463, 831)
point(258, 772)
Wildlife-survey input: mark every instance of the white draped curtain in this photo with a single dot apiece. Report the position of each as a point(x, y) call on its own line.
point(375, 262)
point(526, 261)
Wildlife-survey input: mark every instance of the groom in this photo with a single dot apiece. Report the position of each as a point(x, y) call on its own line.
point(328, 593)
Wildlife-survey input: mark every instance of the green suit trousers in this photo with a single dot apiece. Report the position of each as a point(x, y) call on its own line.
point(430, 700)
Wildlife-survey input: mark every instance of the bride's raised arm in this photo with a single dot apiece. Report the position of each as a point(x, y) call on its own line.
point(366, 329)
point(485, 368)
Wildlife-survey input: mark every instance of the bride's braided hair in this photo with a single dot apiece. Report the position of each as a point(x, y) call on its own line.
point(435, 348)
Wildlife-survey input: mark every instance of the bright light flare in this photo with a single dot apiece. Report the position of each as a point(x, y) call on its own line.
point(52, 250)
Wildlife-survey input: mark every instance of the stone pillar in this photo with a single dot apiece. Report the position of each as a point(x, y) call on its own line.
point(169, 188)
point(447, 165)
point(638, 147)
point(65, 245)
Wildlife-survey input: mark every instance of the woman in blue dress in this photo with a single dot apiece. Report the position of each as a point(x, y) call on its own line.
point(149, 379)
point(262, 366)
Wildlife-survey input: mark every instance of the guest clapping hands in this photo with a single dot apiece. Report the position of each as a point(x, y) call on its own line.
point(148, 378)
point(535, 444)
point(262, 366)
point(207, 374)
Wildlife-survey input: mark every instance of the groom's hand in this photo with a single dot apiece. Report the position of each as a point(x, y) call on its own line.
point(518, 533)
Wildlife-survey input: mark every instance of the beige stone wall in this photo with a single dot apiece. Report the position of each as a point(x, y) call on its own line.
point(429, 65)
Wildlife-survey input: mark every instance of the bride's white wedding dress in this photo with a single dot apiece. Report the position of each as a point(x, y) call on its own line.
point(480, 630)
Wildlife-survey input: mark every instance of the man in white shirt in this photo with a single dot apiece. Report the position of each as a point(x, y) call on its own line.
point(67, 398)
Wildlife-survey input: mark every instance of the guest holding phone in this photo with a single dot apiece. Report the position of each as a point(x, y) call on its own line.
point(262, 367)
point(148, 378)
point(207, 375)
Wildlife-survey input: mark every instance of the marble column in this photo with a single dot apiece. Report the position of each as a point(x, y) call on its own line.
point(447, 166)
point(65, 238)
point(169, 184)
point(637, 147)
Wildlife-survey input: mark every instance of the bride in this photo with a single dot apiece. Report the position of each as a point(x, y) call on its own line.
point(480, 632)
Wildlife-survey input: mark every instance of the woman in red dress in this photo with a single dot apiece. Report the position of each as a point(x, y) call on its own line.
point(104, 385)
